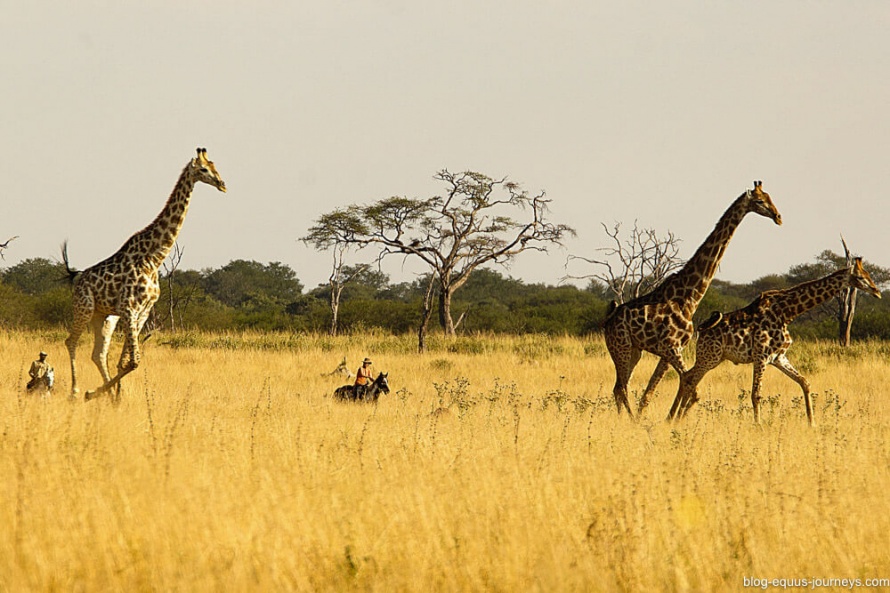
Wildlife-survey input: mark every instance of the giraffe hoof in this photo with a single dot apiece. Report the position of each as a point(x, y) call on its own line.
point(89, 395)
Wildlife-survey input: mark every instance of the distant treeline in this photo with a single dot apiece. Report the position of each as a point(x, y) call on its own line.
point(248, 295)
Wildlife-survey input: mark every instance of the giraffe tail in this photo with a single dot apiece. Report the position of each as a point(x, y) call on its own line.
point(610, 310)
point(711, 321)
point(71, 274)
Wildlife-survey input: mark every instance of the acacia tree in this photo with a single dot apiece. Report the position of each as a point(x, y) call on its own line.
point(633, 266)
point(452, 234)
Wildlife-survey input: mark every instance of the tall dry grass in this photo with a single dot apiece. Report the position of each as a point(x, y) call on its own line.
point(496, 464)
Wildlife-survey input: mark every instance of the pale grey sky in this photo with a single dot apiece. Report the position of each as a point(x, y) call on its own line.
point(662, 112)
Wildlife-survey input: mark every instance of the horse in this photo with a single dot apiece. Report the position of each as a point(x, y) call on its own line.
point(363, 393)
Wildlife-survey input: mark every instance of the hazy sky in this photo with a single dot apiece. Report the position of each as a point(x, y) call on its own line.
point(663, 112)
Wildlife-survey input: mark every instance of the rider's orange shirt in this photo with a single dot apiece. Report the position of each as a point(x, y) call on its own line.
point(363, 375)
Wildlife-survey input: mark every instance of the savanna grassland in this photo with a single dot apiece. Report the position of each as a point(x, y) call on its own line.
point(495, 464)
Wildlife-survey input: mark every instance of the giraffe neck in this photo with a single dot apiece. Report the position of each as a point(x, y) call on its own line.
point(689, 284)
point(794, 301)
point(153, 243)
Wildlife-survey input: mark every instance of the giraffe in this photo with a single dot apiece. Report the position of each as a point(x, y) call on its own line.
point(758, 334)
point(125, 285)
point(660, 322)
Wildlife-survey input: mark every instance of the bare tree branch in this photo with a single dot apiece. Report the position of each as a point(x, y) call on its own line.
point(170, 265)
point(632, 266)
point(846, 304)
point(341, 275)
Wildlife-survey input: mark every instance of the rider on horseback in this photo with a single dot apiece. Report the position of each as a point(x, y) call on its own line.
point(363, 378)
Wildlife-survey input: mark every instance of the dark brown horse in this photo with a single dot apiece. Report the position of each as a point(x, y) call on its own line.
point(363, 393)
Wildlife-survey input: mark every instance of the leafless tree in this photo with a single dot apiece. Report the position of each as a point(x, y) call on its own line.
point(632, 266)
point(170, 266)
point(178, 295)
point(341, 275)
point(846, 303)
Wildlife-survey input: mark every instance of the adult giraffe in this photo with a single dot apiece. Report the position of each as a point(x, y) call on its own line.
point(758, 335)
point(660, 322)
point(125, 285)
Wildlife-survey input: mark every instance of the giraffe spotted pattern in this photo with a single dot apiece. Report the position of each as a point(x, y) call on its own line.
point(125, 286)
point(758, 335)
point(660, 322)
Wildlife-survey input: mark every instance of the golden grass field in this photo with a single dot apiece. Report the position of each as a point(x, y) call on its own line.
point(228, 467)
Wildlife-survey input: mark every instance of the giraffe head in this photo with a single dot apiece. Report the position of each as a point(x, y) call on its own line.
point(860, 279)
point(759, 202)
point(203, 170)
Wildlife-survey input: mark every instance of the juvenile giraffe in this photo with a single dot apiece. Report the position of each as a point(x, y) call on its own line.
point(660, 322)
point(125, 285)
point(758, 334)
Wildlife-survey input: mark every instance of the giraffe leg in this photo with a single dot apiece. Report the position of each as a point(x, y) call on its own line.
point(783, 364)
point(673, 358)
point(102, 330)
point(83, 313)
point(683, 395)
point(656, 378)
point(129, 359)
point(755, 387)
point(71, 344)
point(687, 394)
point(123, 364)
point(624, 367)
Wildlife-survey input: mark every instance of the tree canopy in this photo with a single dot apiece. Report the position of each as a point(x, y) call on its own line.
point(477, 220)
point(252, 295)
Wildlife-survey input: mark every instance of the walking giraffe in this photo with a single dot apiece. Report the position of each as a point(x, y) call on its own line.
point(660, 322)
point(125, 286)
point(758, 334)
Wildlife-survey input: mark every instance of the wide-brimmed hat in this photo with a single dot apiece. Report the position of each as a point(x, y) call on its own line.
point(367, 361)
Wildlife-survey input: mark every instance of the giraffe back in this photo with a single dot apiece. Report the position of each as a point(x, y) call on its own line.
point(745, 334)
point(113, 283)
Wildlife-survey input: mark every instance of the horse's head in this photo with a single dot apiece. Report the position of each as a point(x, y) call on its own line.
point(382, 383)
